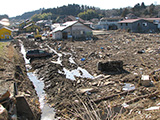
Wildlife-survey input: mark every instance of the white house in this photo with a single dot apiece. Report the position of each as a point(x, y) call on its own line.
point(71, 29)
point(108, 23)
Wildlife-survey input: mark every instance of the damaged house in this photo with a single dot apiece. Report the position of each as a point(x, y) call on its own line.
point(139, 25)
point(71, 29)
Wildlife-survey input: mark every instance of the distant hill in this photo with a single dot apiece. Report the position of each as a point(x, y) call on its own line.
point(88, 12)
point(27, 15)
point(57, 14)
point(3, 16)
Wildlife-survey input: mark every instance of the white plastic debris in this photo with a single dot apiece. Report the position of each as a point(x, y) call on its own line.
point(158, 104)
point(125, 105)
point(79, 72)
point(128, 86)
point(145, 77)
point(153, 108)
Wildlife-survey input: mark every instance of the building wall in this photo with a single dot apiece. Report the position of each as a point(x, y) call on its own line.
point(78, 30)
point(107, 23)
point(158, 25)
point(75, 31)
point(57, 35)
point(5, 33)
point(139, 26)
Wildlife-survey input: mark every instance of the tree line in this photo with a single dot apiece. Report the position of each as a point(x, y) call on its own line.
point(3, 16)
point(141, 10)
point(83, 11)
point(88, 12)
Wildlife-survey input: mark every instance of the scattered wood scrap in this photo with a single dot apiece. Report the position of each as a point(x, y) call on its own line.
point(114, 95)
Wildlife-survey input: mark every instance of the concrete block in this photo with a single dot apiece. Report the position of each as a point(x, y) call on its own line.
point(145, 81)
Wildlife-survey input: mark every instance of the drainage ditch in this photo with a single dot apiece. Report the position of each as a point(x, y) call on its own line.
point(47, 112)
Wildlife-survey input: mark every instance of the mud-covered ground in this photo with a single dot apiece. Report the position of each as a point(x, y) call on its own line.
point(102, 95)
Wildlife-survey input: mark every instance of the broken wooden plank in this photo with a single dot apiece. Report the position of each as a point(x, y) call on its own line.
point(114, 95)
point(141, 97)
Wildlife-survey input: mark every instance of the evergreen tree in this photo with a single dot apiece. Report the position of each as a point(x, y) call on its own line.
point(125, 12)
point(3, 16)
point(151, 9)
point(143, 5)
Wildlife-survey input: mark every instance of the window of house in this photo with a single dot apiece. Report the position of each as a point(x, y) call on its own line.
point(138, 24)
point(121, 24)
point(82, 32)
point(126, 24)
point(144, 24)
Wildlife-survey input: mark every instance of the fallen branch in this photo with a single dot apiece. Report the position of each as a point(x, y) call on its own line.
point(141, 97)
point(111, 96)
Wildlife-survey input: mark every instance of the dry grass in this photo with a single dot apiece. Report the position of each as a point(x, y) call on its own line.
point(7, 55)
point(88, 110)
point(10, 53)
point(3, 48)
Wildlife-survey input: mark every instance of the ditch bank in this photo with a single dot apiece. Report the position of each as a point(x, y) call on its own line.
point(20, 102)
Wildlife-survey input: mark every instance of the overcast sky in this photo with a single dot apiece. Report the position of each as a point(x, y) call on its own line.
point(18, 7)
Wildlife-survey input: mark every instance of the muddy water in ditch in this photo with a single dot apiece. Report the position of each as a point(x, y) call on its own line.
point(47, 112)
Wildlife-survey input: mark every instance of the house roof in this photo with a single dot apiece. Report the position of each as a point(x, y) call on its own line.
point(114, 18)
point(129, 20)
point(28, 25)
point(64, 26)
point(134, 20)
point(76, 18)
point(5, 22)
point(6, 28)
point(151, 18)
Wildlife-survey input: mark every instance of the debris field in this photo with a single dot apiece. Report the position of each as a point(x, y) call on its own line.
point(115, 76)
